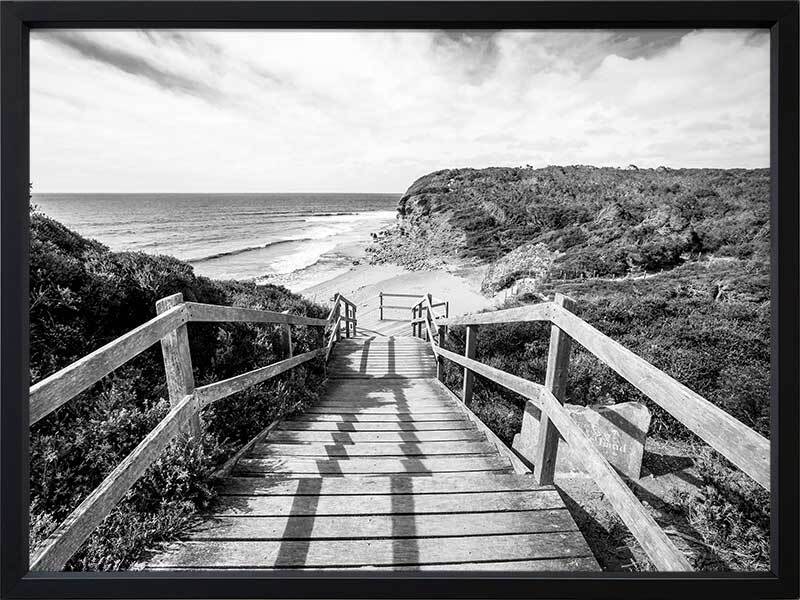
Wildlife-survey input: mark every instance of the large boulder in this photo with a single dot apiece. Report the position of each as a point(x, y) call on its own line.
point(618, 431)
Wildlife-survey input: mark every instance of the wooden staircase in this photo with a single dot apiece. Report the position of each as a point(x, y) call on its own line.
point(389, 471)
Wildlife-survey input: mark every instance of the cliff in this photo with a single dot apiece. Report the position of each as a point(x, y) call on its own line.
point(572, 223)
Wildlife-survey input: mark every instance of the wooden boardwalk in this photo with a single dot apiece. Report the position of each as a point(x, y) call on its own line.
point(387, 472)
point(390, 470)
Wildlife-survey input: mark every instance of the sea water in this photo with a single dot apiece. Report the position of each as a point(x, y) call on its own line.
point(297, 240)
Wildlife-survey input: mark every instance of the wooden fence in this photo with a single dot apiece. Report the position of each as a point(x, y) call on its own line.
point(168, 328)
point(382, 306)
point(744, 447)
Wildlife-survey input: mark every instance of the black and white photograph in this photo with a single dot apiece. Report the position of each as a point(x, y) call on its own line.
point(400, 300)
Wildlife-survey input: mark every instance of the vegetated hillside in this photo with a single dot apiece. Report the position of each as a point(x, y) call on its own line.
point(673, 264)
point(82, 296)
point(593, 222)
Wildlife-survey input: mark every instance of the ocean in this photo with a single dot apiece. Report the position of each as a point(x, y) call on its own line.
point(296, 240)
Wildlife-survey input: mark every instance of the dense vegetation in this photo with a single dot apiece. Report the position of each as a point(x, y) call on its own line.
point(601, 222)
point(83, 296)
point(674, 264)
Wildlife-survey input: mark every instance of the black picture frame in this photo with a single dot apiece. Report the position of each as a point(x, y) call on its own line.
point(17, 20)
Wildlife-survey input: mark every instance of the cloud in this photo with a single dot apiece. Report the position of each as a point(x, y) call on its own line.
point(372, 110)
point(133, 64)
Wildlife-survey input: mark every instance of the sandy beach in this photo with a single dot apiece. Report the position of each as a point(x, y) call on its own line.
point(363, 283)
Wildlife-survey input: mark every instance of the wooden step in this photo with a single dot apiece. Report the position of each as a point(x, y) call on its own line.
point(379, 449)
point(379, 417)
point(385, 410)
point(311, 501)
point(359, 552)
point(383, 526)
point(346, 437)
point(379, 426)
point(389, 485)
point(369, 466)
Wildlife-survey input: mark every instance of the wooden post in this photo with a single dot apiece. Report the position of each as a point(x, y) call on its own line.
point(470, 348)
point(346, 320)
point(556, 381)
point(178, 362)
point(439, 359)
point(430, 318)
point(380, 295)
point(286, 335)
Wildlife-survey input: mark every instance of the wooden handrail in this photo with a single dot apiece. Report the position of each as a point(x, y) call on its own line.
point(229, 314)
point(73, 531)
point(523, 387)
point(533, 312)
point(222, 389)
point(741, 445)
point(51, 392)
point(400, 296)
point(60, 387)
point(730, 437)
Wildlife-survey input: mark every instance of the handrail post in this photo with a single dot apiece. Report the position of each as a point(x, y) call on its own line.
point(555, 381)
point(380, 295)
point(286, 338)
point(178, 362)
point(429, 313)
point(470, 348)
point(439, 359)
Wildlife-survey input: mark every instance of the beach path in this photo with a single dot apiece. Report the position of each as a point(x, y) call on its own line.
point(364, 283)
point(388, 471)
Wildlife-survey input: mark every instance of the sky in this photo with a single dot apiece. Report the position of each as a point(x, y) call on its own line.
point(372, 111)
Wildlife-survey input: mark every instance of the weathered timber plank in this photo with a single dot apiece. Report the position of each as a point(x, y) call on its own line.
point(470, 349)
point(383, 449)
point(383, 526)
point(51, 392)
point(367, 386)
point(73, 531)
point(392, 484)
point(228, 314)
point(369, 465)
point(534, 312)
point(392, 552)
point(410, 502)
point(221, 389)
point(178, 361)
point(345, 437)
point(385, 294)
point(356, 375)
point(576, 564)
point(658, 547)
point(379, 426)
point(380, 418)
point(733, 439)
point(385, 410)
point(387, 402)
point(556, 382)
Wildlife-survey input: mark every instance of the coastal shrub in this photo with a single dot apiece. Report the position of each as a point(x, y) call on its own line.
point(82, 296)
